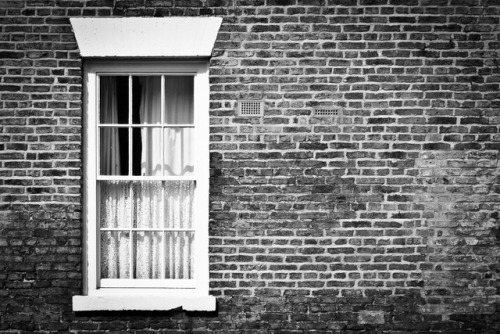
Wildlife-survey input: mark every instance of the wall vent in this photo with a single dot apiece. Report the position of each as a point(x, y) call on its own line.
point(250, 108)
point(322, 111)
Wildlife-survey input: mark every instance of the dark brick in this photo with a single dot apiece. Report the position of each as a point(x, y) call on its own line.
point(436, 146)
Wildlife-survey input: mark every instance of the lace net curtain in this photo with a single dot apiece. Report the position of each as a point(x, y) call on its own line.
point(145, 224)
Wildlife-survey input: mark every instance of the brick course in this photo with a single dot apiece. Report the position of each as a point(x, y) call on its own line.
point(383, 219)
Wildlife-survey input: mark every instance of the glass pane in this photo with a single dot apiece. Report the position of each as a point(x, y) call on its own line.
point(178, 155)
point(147, 94)
point(179, 255)
point(113, 151)
point(115, 204)
point(115, 254)
point(151, 155)
point(148, 204)
point(179, 198)
point(137, 151)
point(113, 100)
point(147, 254)
point(179, 100)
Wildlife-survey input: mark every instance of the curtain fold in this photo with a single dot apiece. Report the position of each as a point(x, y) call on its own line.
point(150, 113)
point(110, 144)
point(178, 215)
point(179, 108)
point(115, 199)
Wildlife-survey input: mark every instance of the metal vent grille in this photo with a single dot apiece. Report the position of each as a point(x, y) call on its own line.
point(250, 108)
point(327, 112)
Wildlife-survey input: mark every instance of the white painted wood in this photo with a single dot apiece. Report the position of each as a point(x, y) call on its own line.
point(148, 283)
point(149, 229)
point(145, 178)
point(156, 126)
point(90, 187)
point(202, 93)
point(146, 37)
point(116, 292)
point(146, 302)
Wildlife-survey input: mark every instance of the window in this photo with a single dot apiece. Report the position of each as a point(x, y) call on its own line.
point(146, 164)
point(146, 181)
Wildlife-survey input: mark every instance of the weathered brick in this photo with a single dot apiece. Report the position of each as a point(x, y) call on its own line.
point(378, 220)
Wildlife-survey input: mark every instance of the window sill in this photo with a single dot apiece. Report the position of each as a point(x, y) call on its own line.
point(143, 303)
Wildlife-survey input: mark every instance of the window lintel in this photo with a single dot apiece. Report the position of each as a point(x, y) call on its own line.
point(146, 37)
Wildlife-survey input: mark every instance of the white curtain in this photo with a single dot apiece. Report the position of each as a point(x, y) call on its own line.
point(149, 194)
point(110, 144)
point(115, 199)
point(115, 245)
point(156, 204)
point(178, 215)
point(178, 150)
point(179, 110)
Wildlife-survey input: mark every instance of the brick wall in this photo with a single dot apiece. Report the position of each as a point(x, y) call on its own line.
point(383, 219)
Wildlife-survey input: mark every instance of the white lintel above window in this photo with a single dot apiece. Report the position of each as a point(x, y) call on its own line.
point(146, 37)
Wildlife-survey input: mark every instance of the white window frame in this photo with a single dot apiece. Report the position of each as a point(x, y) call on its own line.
point(188, 294)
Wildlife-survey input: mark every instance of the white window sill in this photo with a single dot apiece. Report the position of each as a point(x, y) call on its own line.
point(143, 303)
